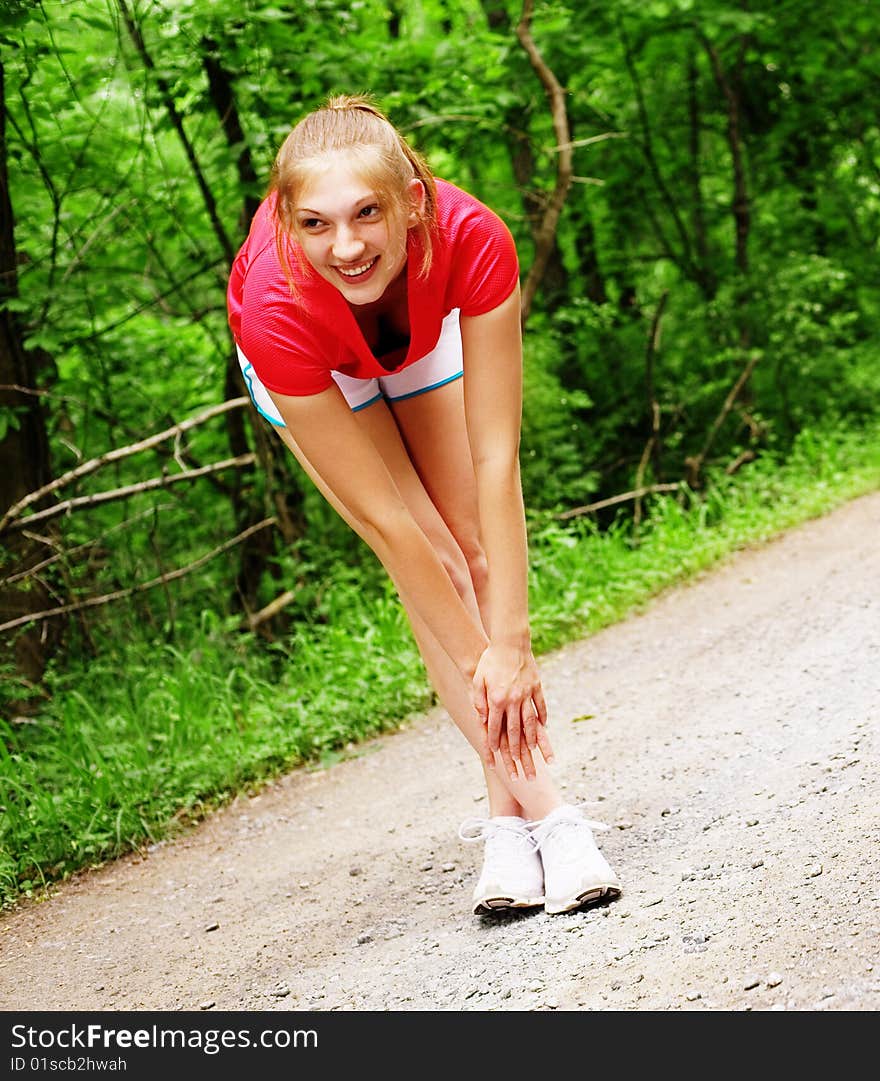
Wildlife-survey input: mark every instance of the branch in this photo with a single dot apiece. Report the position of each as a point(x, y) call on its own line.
point(637, 494)
point(653, 441)
point(271, 609)
point(131, 489)
point(740, 205)
point(546, 231)
point(175, 287)
point(593, 139)
point(67, 554)
point(739, 461)
point(176, 118)
point(652, 345)
point(114, 456)
point(647, 146)
point(121, 594)
point(694, 465)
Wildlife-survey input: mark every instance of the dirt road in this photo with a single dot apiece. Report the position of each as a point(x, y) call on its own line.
point(729, 736)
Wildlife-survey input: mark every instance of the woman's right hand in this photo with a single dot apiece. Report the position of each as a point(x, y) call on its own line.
point(508, 698)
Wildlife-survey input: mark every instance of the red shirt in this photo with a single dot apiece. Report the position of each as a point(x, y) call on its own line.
point(294, 342)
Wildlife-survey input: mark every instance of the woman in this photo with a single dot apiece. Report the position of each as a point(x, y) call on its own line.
point(376, 313)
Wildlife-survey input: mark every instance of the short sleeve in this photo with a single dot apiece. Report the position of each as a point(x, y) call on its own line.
point(283, 351)
point(485, 267)
point(272, 329)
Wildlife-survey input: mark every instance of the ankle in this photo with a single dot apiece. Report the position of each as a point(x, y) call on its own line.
point(504, 806)
point(538, 810)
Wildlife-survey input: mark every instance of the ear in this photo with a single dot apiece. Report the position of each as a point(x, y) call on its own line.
point(416, 193)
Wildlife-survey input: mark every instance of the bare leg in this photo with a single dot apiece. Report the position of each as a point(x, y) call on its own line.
point(433, 428)
point(529, 799)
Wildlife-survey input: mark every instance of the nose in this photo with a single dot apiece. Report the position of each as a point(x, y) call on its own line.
point(347, 245)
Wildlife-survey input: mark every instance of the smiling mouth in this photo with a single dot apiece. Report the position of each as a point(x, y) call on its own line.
point(352, 273)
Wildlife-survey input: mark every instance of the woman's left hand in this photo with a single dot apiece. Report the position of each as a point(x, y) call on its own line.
point(508, 697)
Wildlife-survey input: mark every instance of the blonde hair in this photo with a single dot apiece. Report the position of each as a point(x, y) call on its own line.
point(353, 125)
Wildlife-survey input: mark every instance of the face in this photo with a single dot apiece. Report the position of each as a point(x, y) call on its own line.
point(349, 239)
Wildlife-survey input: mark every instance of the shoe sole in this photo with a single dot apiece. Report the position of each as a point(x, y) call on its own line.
point(588, 897)
point(494, 905)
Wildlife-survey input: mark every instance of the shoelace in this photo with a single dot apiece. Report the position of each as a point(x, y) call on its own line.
point(542, 829)
point(480, 829)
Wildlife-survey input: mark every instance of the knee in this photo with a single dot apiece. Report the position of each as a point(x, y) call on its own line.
point(457, 567)
point(477, 564)
point(464, 562)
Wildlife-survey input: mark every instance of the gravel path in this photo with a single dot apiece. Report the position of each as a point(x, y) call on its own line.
point(729, 736)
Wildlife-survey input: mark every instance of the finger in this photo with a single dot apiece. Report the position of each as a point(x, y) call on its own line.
point(480, 701)
point(507, 758)
point(514, 734)
point(527, 763)
point(529, 723)
point(544, 744)
point(540, 705)
point(496, 717)
point(481, 708)
point(484, 750)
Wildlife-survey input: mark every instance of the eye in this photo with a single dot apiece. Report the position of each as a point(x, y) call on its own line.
point(310, 223)
point(371, 211)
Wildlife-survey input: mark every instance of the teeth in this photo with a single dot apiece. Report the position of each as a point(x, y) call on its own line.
point(353, 272)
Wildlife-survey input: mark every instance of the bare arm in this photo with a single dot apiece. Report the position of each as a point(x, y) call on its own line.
point(342, 460)
point(508, 688)
point(493, 404)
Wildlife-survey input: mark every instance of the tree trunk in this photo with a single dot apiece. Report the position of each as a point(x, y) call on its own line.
point(555, 284)
point(210, 202)
point(545, 234)
point(223, 98)
point(740, 205)
point(284, 494)
point(24, 447)
point(706, 279)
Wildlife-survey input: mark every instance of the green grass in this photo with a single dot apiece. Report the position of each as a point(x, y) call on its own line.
point(584, 579)
point(138, 743)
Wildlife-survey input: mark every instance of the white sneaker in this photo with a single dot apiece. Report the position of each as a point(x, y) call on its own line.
point(512, 875)
point(575, 871)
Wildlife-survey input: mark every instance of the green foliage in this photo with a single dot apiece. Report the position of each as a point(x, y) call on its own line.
point(554, 449)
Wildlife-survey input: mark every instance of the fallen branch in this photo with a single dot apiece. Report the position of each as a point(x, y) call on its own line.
point(115, 455)
point(739, 461)
point(638, 493)
point(131, 489)
point(121, 594)
point(33, 391)
point(273, 608)
point(68, 553)
point(122, 493)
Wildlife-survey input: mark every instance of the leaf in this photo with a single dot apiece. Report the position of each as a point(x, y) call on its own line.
point(271, 15)
point(93, 21)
